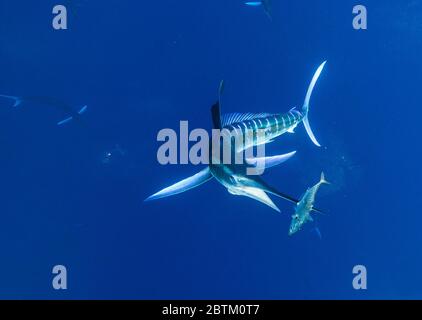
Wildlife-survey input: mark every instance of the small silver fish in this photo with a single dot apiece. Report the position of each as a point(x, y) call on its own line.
point(305, 206)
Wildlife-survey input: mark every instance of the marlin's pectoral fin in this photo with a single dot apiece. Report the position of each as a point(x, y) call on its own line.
point(269, 162)
point(184, 185)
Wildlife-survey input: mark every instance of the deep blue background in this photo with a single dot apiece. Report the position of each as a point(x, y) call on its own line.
point(144, 65)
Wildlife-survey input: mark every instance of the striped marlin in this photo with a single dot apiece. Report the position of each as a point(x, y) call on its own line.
point(233, 176)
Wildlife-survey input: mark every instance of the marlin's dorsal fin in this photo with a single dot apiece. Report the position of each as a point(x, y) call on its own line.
point(230, 118)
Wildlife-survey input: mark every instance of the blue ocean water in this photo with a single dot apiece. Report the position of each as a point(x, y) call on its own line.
point(73, 195)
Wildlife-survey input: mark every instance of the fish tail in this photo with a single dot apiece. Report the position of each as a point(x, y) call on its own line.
point(18, 100)
point(305, 108)
point(323, 181)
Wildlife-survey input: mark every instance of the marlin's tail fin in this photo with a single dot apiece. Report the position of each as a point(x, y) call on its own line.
point(323, 181)
point(18, 100)
point(305, 108)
